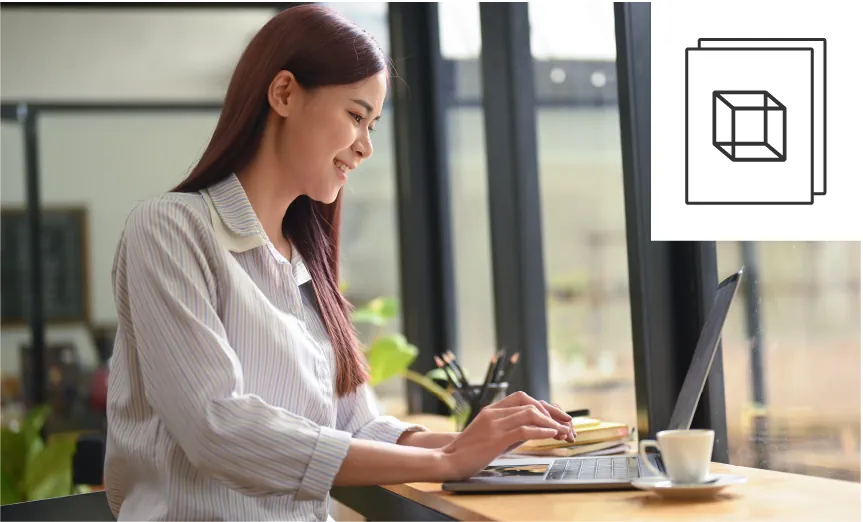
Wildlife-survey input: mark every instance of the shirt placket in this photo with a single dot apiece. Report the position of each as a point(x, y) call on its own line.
point(297, 307)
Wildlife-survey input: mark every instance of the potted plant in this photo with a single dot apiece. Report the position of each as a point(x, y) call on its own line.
point(390, 355)
point(33, 468)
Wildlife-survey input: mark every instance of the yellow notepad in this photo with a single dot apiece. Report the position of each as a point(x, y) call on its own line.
point(601, 432)
point(580, 423)
point(610, 447)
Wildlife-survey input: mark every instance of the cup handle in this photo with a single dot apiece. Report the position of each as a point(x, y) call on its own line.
point(642, 446)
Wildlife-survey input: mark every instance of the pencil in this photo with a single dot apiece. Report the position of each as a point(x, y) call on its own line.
point(440, 364)
point(457, 366)
point(508, 370)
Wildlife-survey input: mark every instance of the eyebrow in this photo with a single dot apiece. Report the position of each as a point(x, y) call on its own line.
point(365, 105)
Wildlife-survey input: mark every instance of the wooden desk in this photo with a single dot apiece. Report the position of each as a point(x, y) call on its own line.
point(768, 495)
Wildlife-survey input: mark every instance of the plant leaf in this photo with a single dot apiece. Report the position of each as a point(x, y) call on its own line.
point(437, 373)
point(35, 421)
point(34, 448)
point(376, 312)
point(366, 316)
point(49, 474)
point(13, 452)
point(8, 489)
point(386, 307)
point(388, 356)
point(440, 374)
point(431, 386)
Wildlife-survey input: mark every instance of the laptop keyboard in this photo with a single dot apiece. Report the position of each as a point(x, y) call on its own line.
point(621, 468)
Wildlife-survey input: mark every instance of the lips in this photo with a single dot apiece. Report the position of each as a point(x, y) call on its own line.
point(342, 166)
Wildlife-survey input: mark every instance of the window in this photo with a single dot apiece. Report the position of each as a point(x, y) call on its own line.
point(796, 316)
point(584, 235)
point(465, 135)
point(369, 235)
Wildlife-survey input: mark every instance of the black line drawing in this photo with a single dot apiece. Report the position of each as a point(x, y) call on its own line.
point(755, 121)
point(749, 126)
point(819, 46)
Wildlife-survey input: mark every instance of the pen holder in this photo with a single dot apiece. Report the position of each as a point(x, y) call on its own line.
point(470, 396)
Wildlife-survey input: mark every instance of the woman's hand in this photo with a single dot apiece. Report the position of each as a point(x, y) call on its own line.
point(501, 427)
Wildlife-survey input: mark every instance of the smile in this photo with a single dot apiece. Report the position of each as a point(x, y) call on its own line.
point(342, 166)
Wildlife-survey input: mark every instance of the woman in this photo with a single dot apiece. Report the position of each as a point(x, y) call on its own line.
point(237, 388)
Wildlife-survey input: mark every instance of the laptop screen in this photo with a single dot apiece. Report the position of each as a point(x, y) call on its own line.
point(705, 350)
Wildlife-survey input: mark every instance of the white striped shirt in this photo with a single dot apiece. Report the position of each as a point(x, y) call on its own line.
point(222, 401)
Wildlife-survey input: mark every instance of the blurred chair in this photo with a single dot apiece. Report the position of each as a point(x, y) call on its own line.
point(86, 507)
point(89, 462)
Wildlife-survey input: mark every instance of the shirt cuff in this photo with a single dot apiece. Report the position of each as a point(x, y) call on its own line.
point(328, 455)
point(387, 429)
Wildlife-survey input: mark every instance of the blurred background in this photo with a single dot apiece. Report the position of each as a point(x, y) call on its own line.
point(791, 347)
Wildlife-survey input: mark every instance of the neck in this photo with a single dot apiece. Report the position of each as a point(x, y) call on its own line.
point(268, 199)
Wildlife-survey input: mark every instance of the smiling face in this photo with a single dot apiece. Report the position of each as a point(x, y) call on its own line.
point(324, 133)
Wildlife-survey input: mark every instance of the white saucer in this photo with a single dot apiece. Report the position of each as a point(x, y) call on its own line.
point(665, 488)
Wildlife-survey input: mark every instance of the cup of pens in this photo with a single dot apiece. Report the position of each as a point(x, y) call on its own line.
point(470, 398)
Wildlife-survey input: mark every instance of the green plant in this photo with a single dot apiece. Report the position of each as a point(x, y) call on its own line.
point(390, 355)
point(32, 468)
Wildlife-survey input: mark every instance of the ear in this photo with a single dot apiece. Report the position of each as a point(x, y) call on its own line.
point(282, 89)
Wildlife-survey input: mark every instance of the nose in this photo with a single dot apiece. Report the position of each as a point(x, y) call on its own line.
point(363, 147)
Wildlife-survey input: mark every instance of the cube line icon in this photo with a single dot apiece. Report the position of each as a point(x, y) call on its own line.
point(750, 126)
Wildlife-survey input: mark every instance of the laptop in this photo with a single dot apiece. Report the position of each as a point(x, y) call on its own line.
point(610, 471)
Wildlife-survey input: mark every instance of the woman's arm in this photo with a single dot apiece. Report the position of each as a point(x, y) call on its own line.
point(374, 463)
point(426, 439)
point(358, 415)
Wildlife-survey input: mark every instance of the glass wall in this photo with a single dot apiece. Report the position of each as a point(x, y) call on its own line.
point(584, 235)
point(369, 235)
point(801, 412)
point(471, 236)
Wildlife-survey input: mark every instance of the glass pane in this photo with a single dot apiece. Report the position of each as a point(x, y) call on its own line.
point(371, 16)
point(12, 195)
point(465, 134)
point(369, 235)
point(95, 164)
point(584, 235)
point(804, 333)
point(124, 53)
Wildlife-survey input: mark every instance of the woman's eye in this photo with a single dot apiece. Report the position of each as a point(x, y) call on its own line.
point(356, 117)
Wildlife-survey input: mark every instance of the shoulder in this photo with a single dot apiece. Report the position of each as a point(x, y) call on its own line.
point(172, 220)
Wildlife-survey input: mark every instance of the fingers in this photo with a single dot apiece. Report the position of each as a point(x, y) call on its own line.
point(520, 398)
point(554, 412)
point(557, 412)
point(561, 416)
point(523, 433)
point(529, 415)
point(498, 414)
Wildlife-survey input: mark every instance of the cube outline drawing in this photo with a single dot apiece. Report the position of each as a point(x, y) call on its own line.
point(719, 96)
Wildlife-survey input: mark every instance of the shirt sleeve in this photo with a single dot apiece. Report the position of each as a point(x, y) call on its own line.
point(192, 377)
point(358, 414)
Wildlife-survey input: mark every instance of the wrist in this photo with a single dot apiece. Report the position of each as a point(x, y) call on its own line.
point(442, 465)
point(426, 439)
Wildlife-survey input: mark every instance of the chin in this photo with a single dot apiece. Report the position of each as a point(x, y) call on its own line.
point(325, 197)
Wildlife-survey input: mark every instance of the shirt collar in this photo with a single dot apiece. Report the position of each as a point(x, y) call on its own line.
point(237, 226)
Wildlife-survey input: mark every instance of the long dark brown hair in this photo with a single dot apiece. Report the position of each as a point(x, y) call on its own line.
point(320, 48)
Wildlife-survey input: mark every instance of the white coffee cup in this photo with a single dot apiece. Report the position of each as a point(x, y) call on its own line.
point(685, 454)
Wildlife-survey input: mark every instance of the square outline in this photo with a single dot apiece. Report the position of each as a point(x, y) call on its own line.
point(765, 108)
point(811, 121)
point(801, 40)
